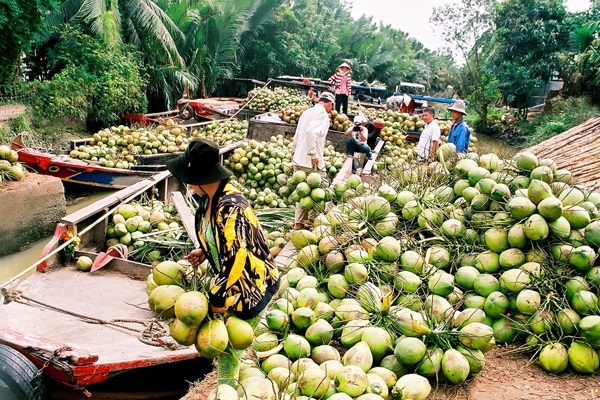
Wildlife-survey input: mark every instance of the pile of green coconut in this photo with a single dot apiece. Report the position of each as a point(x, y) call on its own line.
point(407, 281)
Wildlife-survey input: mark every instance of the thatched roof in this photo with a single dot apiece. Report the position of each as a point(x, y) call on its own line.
point(577, 150)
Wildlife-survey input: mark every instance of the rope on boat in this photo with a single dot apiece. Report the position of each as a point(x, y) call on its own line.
point(154, 333)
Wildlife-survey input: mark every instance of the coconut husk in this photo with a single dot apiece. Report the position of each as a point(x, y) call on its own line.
point(577, 150)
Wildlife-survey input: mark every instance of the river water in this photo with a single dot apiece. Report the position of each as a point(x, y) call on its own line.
point(13, 264)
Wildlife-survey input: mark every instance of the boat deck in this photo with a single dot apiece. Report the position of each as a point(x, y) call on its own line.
point(103, 294)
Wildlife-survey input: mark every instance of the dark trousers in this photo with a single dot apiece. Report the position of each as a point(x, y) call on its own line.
point(341, 101)
point(353, 145)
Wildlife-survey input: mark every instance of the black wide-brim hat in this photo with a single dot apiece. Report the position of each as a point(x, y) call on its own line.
point(200, 164)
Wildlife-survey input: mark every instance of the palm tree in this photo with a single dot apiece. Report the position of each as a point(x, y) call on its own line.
point(215, 36)
point(140, 23)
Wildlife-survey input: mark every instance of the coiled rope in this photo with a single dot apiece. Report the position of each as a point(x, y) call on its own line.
point(153, 333)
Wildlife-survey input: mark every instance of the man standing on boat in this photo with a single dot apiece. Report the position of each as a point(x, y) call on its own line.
point(229, 234)
point(459, 135)
point(309, 145)
point(430, 137)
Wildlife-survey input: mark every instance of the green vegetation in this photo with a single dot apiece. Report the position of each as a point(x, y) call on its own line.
point(89, 61)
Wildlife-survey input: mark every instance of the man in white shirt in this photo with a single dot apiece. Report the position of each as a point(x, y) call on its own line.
point(430, 137)
point(309, 144)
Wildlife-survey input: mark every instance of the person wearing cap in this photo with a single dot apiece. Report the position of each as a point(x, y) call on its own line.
point(459, 135)
point(356, 142)
point(430, 137)
point(308, 146)
point(341, 80)
point(229, 233)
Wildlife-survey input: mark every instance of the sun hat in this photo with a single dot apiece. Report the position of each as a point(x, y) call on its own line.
point(327, 96)
point(342, 65)
point(458, 106)
point(200, 164)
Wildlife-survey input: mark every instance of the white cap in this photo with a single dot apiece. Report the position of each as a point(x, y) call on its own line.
point(358, 120)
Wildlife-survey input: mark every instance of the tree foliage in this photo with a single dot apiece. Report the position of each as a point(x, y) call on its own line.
point(20, 22)
point(96, 83)
point(528, 37)
point(468, 27)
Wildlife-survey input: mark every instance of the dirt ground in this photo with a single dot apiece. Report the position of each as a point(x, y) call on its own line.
point(507, 376)
point(11, 111)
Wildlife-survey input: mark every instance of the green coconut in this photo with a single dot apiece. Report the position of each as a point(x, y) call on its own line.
point(563, 175)
point(542, 173)
point(487, 261)
point(577, 216)
point(528, 301)
point(553, 358)
point(585, 302)
point(463, 167)
point(516, 236)
point(589, 329)
point(550, 208)
point(496, 239)
point(526, 161)
point(521, 207)
point(465, 276)
point(583, 258)
point(568, 319)
point(496, 305)
point(500, 192)
point(571, 197)
point(511, 258)
point(455, 366)
point(514, 280)
point(485, 284)
point(560, 228)
point(410, 350)
point(583, 358)
point(538, 190)
point(504, 331)
point(536, 228)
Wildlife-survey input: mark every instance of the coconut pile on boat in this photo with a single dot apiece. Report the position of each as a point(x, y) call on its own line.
point(119, 146)
point(150, 229)
point(223, 133)
point(10, 168)
point(265, 99)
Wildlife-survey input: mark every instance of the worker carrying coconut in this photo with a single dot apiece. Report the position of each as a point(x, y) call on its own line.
point(459, 135)
point(229, 234)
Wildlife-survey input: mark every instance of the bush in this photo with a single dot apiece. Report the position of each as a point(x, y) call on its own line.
point(96, 83)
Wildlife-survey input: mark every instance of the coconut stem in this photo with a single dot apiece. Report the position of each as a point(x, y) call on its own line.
point(228, 363)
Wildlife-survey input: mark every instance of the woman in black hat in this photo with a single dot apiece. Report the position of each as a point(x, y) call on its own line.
point(229, 234)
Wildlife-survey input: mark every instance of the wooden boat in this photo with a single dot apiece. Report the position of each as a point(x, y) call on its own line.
point(83, 328)
point(76, 172)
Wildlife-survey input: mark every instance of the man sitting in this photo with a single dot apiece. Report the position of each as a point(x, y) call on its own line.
point(356, 142)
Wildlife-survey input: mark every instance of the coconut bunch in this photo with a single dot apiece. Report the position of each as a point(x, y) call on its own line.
point(151, 230)
point(177, 293)
point(265, 99)
point(119, 147)
point(311, 190)
point(223, 133)
point(10, 168)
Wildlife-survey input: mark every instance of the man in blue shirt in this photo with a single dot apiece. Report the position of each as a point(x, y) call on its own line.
point(459, 132)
